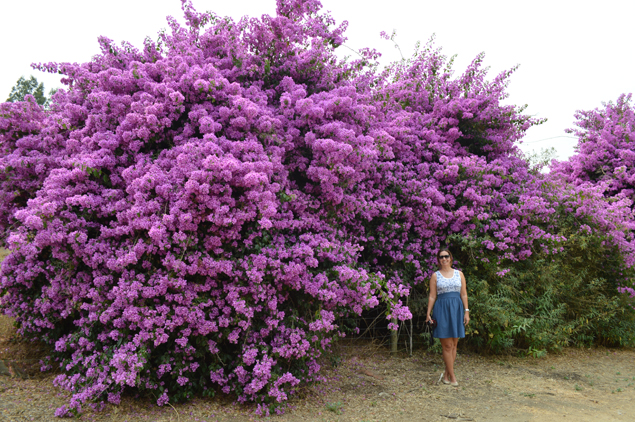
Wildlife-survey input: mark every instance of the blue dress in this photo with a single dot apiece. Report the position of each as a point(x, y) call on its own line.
point(448, 308)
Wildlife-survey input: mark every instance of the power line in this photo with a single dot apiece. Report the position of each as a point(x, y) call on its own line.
point(553, 137)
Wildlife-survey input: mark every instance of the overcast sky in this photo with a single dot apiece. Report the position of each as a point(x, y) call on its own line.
point(572, 54)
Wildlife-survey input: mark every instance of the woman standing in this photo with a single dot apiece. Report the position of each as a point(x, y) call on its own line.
point(448, 298)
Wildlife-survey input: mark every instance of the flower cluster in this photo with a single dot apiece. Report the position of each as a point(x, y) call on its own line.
point(28, 151)
point(605, 154)
point(197, 215)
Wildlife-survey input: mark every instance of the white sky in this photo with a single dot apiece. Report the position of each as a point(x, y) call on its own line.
point(573, 54)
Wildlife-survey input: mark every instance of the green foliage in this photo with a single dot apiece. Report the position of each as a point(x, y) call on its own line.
point(31, 86)
point(548, 301)
point(335, 407)
point(436, 347)
point(535, 353)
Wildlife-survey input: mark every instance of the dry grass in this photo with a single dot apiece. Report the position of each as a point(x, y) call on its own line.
point(580, 385)
point(6, 327)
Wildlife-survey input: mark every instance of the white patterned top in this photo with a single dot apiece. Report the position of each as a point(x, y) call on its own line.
point(447, 285)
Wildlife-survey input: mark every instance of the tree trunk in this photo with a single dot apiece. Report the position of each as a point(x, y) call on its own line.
point(394, 337)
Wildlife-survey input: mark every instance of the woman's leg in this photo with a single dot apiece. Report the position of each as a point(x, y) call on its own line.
point(455, 342)
point(449, 353)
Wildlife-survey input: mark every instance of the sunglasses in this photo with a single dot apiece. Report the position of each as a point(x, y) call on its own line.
point(444, 256)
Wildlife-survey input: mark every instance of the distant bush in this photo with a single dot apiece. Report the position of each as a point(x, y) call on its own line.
point(605, 153)
point(605, 156)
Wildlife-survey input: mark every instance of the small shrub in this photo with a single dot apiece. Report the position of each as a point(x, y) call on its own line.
point(335, 407)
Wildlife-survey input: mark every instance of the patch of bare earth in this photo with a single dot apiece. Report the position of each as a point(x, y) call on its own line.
point(579, 385)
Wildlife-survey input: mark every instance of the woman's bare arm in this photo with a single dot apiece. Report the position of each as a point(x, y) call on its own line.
point(433, 295)
point(466, 318)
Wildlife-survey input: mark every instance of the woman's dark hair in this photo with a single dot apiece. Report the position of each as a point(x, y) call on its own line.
point(445, 250)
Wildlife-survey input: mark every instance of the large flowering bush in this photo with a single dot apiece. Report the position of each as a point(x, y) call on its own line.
point(577, 288)
point(450, 172)
point(196, 216)
point(182, 233)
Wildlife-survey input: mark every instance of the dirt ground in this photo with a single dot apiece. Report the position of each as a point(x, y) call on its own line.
point(368, 384)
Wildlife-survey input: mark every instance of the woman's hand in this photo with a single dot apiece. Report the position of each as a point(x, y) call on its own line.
point(466, 318)
point(428, 319)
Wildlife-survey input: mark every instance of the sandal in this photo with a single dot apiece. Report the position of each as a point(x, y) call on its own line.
point(442, 378)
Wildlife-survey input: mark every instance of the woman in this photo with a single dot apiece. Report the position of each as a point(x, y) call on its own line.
point(448, 298)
